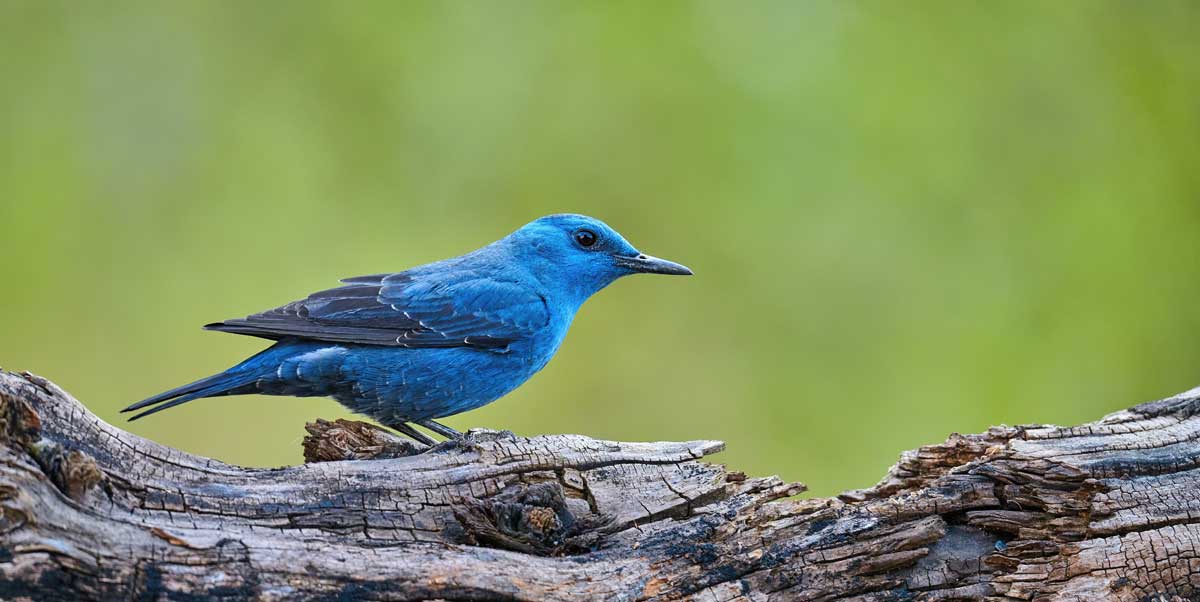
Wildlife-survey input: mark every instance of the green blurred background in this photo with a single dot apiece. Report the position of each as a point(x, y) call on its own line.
point(903, 222)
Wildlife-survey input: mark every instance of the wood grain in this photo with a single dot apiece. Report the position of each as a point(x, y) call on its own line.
point(1104, 511)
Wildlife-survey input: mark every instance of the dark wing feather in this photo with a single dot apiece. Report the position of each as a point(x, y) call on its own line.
point(405, 310)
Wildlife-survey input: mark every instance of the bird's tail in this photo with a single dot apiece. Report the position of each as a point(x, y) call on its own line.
point(225, 383)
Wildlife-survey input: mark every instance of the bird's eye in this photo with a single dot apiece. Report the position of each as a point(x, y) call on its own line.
point(585, 238)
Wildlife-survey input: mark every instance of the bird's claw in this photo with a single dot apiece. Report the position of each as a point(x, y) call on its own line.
point(471, 440)
point(455, 441)
point(481, 435)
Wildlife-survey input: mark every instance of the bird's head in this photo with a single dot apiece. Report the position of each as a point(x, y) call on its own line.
point(579, 255)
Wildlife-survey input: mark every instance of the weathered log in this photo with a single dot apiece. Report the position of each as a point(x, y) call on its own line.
point(1106, 511)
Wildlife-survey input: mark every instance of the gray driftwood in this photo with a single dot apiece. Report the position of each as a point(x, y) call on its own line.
point(1105, 511)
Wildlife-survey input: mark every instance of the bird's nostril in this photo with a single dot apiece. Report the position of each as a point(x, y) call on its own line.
point(641, 256)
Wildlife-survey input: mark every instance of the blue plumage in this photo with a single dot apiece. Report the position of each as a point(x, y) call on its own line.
point(435, 340)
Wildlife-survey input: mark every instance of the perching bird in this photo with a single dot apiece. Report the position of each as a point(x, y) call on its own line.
point(435, 340)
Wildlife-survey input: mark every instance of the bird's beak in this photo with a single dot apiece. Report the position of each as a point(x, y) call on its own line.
point(652, 265)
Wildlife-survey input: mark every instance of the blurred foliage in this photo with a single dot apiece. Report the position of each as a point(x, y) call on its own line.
point(903, 222)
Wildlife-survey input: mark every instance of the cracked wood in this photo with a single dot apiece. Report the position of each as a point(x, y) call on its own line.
point(1103, 511)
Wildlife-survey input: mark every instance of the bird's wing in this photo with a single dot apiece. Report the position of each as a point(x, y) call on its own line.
point(406, 310)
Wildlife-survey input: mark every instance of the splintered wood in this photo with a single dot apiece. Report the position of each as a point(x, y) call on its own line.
point(1104, 511)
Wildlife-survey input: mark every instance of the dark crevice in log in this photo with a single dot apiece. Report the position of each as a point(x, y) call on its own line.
point(1103, 511)
point(534, 519)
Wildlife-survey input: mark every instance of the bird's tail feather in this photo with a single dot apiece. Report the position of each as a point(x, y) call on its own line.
point(217, 384)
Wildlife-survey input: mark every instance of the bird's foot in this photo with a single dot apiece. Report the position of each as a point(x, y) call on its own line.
point(471, 440)
point(484, 434)
point(462, 443)
point(455, 441)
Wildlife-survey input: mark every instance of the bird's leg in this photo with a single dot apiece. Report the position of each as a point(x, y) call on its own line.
point(440, 429)
point(414, 434)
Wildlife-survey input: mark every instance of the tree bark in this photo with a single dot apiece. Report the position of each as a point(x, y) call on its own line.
point(1105, 511)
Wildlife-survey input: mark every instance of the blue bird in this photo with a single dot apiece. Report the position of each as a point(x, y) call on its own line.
point(435, 340)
